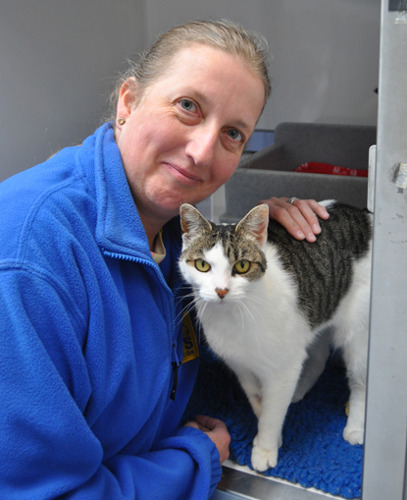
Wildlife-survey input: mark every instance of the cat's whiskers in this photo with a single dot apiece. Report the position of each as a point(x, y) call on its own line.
point(200, 306)
point(260, 303)
point(241, 307)
point(189, 306)
point(245, 312)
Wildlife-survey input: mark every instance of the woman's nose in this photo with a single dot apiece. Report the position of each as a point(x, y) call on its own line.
point(202, 146)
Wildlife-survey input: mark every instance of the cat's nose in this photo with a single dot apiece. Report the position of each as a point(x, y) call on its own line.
point(222, 292)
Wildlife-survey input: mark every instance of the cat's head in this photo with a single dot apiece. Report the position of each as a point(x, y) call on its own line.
point(221, 261)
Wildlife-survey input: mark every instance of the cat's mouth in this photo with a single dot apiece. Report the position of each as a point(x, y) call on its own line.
point(215, 299)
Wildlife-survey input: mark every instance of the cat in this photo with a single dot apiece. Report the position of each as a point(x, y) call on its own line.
point(270, 306)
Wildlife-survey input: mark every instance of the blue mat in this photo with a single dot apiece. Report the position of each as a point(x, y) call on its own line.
point(313, 454)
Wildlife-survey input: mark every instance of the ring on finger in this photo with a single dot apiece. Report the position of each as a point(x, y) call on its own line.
point(292, 200)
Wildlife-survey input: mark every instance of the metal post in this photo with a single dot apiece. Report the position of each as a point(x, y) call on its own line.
point(384, 475)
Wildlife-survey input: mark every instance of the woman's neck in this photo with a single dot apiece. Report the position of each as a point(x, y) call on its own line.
point(152, 228)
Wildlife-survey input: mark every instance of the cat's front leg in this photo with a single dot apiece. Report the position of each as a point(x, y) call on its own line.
point(276, 400)
point(251, 386)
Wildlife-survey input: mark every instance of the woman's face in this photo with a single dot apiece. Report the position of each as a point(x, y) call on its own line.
point(183, 139)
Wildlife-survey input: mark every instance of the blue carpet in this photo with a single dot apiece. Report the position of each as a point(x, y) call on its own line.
point(313, 454)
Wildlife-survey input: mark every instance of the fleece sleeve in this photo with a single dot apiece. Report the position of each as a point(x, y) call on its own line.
point(47, 447)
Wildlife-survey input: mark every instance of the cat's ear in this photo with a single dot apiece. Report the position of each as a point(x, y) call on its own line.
point(192, 221)
point(256, 223)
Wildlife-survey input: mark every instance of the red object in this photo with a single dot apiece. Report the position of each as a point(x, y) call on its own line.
point(314, 167)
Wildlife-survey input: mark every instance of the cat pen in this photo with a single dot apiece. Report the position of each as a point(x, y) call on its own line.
point(383, 458)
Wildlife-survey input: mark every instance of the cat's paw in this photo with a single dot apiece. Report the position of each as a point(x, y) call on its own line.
point(353, 435)
point(263, 459)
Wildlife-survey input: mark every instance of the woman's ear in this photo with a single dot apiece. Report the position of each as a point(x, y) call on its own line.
point(126, 100)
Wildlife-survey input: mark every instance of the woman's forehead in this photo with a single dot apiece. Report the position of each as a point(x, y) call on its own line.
point(209, 73)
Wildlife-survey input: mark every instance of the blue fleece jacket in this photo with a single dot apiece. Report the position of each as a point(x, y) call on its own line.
point(89, 340)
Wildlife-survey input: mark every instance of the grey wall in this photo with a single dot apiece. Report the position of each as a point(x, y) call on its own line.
point(58, 60)
point(57, 63)
point(325, 52)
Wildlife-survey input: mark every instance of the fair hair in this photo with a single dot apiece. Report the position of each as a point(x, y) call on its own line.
point(220, 34)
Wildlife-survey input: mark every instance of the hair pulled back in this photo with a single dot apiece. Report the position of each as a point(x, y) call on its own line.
point(224, 35)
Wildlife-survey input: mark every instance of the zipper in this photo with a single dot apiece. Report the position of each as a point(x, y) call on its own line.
point(139, 260)
point(177, 363)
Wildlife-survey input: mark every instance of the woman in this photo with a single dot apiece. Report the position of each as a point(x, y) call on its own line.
point(94, 380)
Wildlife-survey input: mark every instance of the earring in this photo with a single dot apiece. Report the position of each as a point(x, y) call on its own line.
point(121, 121)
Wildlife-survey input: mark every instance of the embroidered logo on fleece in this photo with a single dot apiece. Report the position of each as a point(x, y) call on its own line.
point(190, 345)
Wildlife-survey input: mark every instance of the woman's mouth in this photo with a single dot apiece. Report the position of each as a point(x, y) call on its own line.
point(182, 174)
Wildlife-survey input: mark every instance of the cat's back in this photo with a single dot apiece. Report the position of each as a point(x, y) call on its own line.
point(324, 270)
point(347, 229)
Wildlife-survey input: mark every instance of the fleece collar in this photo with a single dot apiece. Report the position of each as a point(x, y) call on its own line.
point(118, 228)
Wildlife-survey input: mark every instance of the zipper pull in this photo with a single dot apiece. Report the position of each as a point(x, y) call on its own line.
point(175, 365)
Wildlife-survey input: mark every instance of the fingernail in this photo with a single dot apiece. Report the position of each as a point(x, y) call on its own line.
point(311, 237)
point(316, 228)
point(300, 235)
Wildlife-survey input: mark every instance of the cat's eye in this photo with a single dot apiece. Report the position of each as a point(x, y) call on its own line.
point(242, 266)
point(202, 265)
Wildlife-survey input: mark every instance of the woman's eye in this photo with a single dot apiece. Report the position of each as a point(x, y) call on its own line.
point(235, 135)
point(188, 105)
point(202, 265)
point(242, 266)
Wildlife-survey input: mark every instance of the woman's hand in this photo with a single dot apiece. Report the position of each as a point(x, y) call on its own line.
point(297, 216)
point(216, 430)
